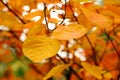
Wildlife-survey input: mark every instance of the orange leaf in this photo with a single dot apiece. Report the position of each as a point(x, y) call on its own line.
point(34, 14)
point(69, 32)
point(93, 70)
point(37, 29)
point(10, 21)
point(96, 18)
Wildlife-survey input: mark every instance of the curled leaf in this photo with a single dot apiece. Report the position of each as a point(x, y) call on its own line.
point(37, 48)
point(69, 32)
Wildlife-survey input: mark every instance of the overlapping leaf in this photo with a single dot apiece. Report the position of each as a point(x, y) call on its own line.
point(69, 32)
point(56, 70)
point(93, 70)
point(38, 48)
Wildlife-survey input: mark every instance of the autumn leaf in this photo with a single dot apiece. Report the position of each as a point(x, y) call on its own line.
point(93, 70)
point(10, 21)
point(69, 32)
point(107, 75)
point(96, 18)
point(56, 70)
point(34, 14)
point(17, 5)
point(38, 48)
point(37, 29)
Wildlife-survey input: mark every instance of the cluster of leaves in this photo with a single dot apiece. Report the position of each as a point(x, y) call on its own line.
point(79, 25)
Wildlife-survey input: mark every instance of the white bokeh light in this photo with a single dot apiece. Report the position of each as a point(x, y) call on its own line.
point(23, 37)
point(24, 13)
point(40, 6)
point(4, 28)
point(36, 18)
point(51, 26)
point(26, 8)
point(80, 54)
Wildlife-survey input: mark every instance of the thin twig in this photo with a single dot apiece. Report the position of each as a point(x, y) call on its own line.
point(93, 50)
point(117, 52)
point(64, 14)
point(45, 15)
point(73, 13)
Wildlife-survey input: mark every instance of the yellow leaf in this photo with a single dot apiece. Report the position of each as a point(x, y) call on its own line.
point(111, 2)
point(38, 48)
point(97, 19)
point(10, 21)
point(107, 74)
point(37, 29)
point(56, 70)
point(69, 32)
point(93, 70)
